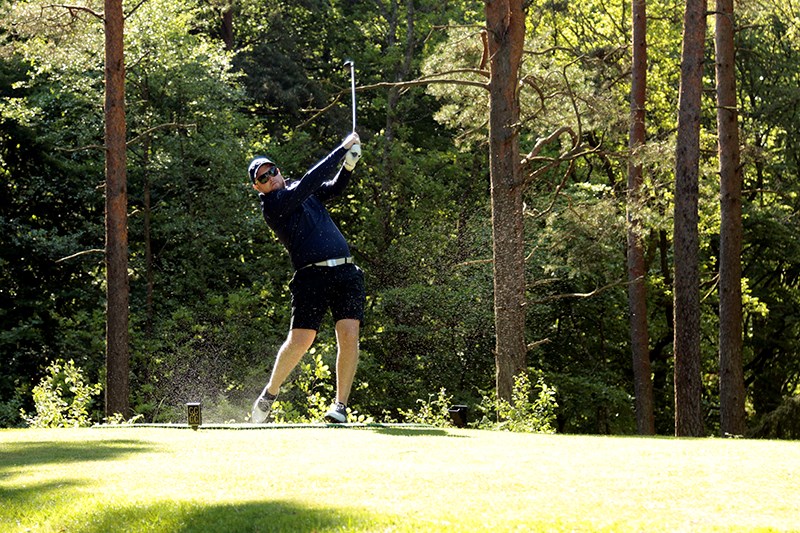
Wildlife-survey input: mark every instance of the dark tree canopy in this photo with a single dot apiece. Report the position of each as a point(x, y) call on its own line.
point(209, 84)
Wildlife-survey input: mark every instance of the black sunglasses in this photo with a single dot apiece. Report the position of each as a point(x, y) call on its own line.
point(271, 171)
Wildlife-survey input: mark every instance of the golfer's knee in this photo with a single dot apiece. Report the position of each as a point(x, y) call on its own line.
point(347, 332)
point(300, 339)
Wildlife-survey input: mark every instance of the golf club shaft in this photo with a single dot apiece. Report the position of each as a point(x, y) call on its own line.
point(353, 91)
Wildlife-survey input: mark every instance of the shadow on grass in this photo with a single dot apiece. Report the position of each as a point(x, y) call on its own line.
point(415, 432)
point(15, 455)
point(34, 495)
point(60, 506)
point(191, 517)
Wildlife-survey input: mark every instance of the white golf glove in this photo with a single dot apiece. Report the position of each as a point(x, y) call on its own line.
point(352, 157)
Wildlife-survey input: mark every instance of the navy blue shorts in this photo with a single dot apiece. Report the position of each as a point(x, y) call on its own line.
point(316, 289)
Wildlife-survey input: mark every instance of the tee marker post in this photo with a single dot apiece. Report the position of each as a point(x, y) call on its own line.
point(194, 415)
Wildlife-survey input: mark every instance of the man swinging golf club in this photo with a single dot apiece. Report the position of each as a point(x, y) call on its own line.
point(325, 276)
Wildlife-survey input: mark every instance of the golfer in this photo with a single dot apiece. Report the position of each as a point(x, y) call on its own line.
point(325, 276)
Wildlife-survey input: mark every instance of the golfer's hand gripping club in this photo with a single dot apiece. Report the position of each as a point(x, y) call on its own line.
point(353, 145)
point(352, 157)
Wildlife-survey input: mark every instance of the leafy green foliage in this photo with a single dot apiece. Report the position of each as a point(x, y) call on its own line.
point(51, 211)
point(309, 392)
point(782, 423)
point(531, 410)
point(218, 352)
point(209, 302)
point(434, 411)
point(307, 397)
point(62, 398)
point(10, 416)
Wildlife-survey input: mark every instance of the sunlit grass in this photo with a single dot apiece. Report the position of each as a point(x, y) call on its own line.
point(388, 479)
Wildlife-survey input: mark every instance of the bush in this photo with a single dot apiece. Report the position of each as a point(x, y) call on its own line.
point(62, 398)
point(782, 423)
point(593, 404)
point(528, 411)
point(433, 412)
point(10, 413)
point(305, 398)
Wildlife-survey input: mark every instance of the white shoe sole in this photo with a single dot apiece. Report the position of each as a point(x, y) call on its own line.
point(335, 418)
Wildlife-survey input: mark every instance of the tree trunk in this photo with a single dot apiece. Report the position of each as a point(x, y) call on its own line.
point(401, 72)
point(637, 294)
point(226, 28)
point(402, 69)
point(148, 240)
point(505, 23)
point(117, 352)
point(688, 387)
point(731, 369)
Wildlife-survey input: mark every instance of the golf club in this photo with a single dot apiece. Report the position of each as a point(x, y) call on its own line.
point(352, 88)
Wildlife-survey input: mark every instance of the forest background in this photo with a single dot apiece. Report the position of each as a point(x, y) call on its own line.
point(209, 84)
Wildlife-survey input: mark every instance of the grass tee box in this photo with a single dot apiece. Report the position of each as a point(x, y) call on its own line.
point(153, 479)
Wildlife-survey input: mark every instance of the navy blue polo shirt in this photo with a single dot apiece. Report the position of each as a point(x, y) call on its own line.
point(298, 216)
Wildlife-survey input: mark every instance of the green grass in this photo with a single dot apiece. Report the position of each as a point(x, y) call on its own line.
point(390, 479)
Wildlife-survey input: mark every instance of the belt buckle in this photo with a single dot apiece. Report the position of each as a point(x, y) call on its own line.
point(332, 262)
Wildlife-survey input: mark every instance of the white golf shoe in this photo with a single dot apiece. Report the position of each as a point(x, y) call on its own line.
point(261, 409)
point(337, 414)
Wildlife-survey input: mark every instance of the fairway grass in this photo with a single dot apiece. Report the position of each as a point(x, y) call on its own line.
point(390, 479)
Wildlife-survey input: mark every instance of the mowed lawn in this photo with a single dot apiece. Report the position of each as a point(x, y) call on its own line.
point(390, 479)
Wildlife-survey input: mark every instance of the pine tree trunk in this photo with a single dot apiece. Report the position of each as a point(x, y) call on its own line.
point(147, 218)
point(505, 23)
point(688, 387)
point(637, 293)
point(117, 351)
point(731, 370)
point(226, 27)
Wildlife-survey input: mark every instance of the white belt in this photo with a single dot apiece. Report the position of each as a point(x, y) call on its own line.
point(331, 262)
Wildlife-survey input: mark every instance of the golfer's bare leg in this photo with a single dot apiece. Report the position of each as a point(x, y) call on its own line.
point(294, 347)
point(347, 332)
